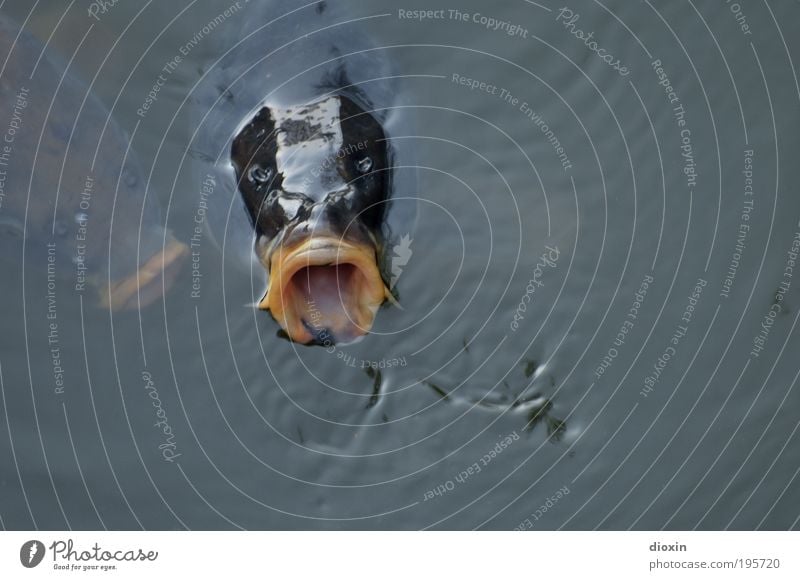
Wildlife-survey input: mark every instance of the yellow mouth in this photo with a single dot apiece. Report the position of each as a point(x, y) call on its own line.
point(325, 290)
point(149, 282)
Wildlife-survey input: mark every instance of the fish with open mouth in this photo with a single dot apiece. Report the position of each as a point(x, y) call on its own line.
point(72, 193)
point(326, 188)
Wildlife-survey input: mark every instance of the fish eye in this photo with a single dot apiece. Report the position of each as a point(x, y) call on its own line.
point(364, 165)
point(259, 175)
point(11, 228)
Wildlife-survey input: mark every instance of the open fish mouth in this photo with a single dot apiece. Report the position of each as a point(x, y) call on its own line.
point(324, 290)
point(149, 282)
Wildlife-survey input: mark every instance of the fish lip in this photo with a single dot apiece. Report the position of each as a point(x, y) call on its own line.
point(153, 278)
point(324, 250)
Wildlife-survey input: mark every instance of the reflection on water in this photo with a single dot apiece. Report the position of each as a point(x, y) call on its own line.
point(597, 299)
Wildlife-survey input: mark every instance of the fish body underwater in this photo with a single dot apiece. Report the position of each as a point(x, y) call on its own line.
point(73, 194)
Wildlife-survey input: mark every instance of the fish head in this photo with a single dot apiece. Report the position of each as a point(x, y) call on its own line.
point(315, 181)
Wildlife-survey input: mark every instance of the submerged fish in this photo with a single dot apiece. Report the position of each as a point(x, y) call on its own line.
point(304, 109)
point(72, 193)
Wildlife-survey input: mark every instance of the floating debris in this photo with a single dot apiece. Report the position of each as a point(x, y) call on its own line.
point(530, 367)
point(438, 390)
point(556, 428)
point(376, 386)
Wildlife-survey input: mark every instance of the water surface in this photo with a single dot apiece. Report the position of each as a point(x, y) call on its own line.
point(599, 312)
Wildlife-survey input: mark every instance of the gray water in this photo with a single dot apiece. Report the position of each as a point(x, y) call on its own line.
point(598, 316)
